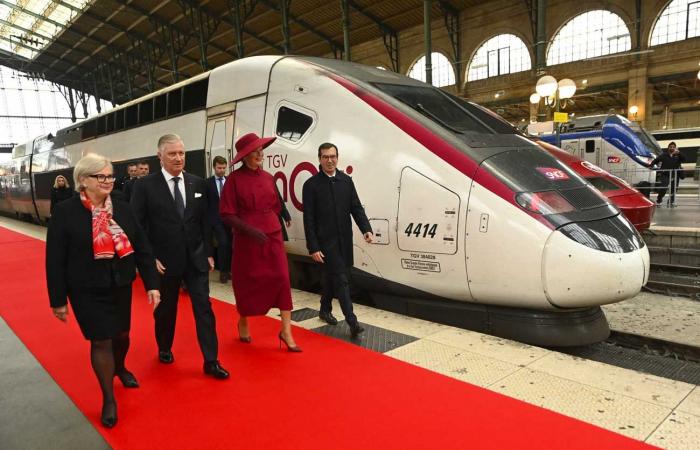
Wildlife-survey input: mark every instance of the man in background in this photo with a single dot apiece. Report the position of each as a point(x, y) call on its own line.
point(215, 184)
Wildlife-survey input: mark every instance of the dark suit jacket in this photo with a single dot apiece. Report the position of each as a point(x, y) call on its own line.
point(70, 262)
point(174, 239)
point(213, 202)
point(328, 205)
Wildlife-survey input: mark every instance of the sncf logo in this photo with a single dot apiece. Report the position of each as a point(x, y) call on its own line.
point(553, 174)
point(614, 159)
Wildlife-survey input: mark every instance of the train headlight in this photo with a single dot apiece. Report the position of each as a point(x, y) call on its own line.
point(547, 202)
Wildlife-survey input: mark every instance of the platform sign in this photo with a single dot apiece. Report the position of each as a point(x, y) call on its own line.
point(561, 117)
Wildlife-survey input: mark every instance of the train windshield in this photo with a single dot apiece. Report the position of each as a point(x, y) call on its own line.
point(450, 112)
point(647, 139)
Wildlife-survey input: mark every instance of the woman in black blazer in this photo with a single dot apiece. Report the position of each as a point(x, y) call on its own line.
point(93, 246)
point(60, 191)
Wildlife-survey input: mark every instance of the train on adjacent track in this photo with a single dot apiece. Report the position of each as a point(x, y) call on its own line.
point(611, 142)
point(475, 225)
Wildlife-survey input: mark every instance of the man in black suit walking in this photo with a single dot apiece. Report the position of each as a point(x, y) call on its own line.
point(215, 184)
point(171, 206)
point(330, 199)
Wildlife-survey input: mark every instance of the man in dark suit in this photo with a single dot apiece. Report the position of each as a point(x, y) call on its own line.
point(330, 199)
point(131, 174)
point(215, 184)
point(171, 206)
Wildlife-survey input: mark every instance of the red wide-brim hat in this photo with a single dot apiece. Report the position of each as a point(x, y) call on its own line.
point(248, 143)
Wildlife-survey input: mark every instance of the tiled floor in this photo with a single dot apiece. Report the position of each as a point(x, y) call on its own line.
point(657, 410)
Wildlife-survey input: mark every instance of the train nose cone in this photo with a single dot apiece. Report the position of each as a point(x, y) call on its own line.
point(593, 263)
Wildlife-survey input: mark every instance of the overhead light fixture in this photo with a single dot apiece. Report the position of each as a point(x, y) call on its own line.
point(499, 94)
point(546, 86)
point(535, 98)
point(634, 109)
point(584, 81)
point(567, 88)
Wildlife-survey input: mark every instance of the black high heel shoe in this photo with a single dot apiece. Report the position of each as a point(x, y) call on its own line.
point(295, 349)
point(109, 415)
point(244, 339)
point(127, 378)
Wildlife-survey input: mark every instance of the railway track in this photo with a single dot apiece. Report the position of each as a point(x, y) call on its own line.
point(674, 280)
point(658, 357)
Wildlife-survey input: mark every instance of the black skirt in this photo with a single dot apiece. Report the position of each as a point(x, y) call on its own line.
point(102, 313)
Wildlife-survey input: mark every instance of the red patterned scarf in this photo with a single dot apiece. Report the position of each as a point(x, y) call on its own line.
point(107, 235)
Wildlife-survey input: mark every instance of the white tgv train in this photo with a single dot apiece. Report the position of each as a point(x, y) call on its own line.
point(475, 226)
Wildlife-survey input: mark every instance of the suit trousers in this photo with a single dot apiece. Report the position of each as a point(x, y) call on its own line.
point(223, 247)
point(336, 284)
point(165, 314)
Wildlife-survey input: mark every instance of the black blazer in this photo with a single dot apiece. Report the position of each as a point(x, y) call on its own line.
point(58, 195)
point(328, 205)
point(213, 202)
point(173, 238)
point(70, 262)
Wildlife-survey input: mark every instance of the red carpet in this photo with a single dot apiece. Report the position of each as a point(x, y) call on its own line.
point(332, 396)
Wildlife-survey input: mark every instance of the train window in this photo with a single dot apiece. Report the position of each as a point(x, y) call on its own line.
point(120, 120)
point(602, 184)
point(110, 122)
point(195, 95)
point(292, 125)
point(132, 116)
point(146, 111)
point(174, 102)
point(436, 106)
point(89, 129)
point(161, 107)
point(101, 125)
point(590, 146)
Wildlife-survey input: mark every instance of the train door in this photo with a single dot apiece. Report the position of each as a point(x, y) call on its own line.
point(427, 225)
point(590, 150)
point(219, 138)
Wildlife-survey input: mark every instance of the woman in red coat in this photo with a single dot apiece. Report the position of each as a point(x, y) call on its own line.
point(259, 273)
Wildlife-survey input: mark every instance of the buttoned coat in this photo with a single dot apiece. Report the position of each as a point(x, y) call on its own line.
point(329, 203)
point(174, 238)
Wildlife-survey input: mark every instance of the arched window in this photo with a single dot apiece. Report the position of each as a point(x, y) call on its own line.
point(443, 73)
point(591, 34)
point(680, 20)
point(502, 54)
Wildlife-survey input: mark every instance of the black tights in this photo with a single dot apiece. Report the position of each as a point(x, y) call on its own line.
point(107, 357)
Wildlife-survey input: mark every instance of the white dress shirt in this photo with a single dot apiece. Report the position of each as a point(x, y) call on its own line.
point(171, 184)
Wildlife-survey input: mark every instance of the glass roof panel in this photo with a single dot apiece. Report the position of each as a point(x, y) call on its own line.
point(28, 26)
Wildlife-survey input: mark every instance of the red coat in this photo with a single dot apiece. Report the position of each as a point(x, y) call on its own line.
point(259, 272)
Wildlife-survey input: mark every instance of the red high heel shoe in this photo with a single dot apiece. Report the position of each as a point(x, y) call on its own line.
point(295, 349)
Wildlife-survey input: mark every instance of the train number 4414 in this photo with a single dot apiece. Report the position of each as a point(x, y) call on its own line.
point(421, 230)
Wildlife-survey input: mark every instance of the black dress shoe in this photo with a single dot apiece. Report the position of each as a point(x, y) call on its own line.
point(328, 318)
point(166, 357)
point(355, 330)
point(128, 379)
point(215, 370)
point(109, 415)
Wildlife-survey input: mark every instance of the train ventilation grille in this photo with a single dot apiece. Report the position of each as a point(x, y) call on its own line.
point(583, 198)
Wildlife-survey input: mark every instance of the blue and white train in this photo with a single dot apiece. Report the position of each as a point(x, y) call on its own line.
point(611, 142)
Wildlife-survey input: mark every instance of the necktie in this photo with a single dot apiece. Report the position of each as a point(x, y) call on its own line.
point(177, 195)
point(221, 185)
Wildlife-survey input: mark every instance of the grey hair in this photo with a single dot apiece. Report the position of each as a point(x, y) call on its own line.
point(168, 139)
point(89, 165)
point(55, 182)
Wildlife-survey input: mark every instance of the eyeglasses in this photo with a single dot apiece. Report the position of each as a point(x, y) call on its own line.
point(103, 178)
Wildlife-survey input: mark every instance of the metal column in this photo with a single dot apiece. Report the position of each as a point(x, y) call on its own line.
point(344, 8)
point(427, 7)
point(541, 44)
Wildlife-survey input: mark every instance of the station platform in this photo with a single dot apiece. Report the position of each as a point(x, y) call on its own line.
point(407, 383)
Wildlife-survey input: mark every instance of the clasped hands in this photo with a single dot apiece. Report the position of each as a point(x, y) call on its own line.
point(61, 312)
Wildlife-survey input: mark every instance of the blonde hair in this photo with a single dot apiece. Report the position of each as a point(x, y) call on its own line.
point(168, 139)
point(89, 165)
point(55, 182)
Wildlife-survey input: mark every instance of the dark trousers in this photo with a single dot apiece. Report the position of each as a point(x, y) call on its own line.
point(663, 188)
point(223, 247)
point(165, 314)
point(336, 284)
